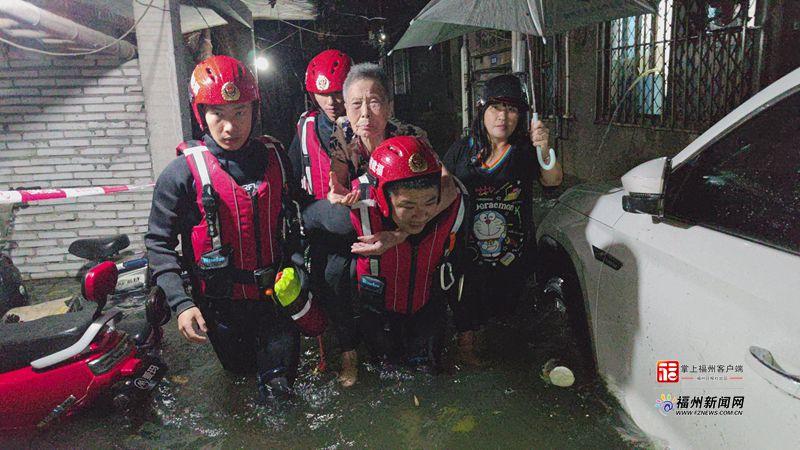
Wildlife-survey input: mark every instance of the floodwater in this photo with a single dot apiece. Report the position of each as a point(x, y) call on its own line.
point(505, 404)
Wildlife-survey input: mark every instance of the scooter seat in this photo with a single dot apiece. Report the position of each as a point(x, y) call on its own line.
point(137, 328)
point(99, 249)
point(21, 343)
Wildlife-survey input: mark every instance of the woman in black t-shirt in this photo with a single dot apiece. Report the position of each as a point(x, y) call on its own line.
point(498, 165)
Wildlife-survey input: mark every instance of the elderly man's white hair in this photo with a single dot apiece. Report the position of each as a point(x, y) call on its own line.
point(368, 71)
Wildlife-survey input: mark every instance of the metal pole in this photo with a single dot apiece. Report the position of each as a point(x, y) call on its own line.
point(517, 52)
point(554, 80)
point(529, 41)
point(62, 28)
point(566, 75)
point(464, 84)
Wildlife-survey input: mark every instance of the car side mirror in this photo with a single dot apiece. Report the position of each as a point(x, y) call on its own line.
point(100, 282)
point(645, 185)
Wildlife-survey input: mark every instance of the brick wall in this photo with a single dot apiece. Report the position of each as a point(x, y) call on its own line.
point(72, 122)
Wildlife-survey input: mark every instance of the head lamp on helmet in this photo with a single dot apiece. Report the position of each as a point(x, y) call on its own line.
point(221, 80)
point(397, 159)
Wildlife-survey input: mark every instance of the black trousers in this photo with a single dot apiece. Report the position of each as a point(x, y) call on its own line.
point(488, 292)
point(332, 286)
point(252, 337)
point(415, 340)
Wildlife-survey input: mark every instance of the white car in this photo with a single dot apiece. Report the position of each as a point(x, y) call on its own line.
point(685, 282)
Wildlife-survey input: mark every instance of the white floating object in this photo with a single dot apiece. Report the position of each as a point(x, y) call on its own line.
point(562, 377)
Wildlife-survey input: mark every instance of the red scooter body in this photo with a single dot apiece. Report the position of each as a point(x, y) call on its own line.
point(31, 396)
point(53, 367)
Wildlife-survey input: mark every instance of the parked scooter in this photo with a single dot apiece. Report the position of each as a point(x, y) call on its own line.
point(130, 289)
point(12, 291)
point(56, 366)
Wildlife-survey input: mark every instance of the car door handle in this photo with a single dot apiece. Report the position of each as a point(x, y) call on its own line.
point(606, 258)
point(762, 361)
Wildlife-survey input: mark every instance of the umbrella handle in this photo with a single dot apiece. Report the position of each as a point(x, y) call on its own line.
point(552, 162)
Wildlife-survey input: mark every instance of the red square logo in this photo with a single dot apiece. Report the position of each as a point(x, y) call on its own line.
point(667, 372)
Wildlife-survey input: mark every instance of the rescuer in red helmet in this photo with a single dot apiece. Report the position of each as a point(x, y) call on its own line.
point(367, 123)
point(401, 293)
point(328, 226)
point(325, 77)
point(229, 197)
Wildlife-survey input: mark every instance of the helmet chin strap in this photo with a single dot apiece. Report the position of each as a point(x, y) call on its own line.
point(256, 115)
point(201, 110)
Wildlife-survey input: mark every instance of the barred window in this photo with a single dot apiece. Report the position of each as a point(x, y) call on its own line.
point(542, 63)
point(401, 74)
point(684, 68)
point(489, 56)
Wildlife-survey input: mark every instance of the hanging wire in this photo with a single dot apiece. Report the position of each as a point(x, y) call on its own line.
point(359, 16)
point(267, 3)
point(322, 33)
point(633, 84)
point(116, 41)
point(278, 42)
point(201, 14)
point(153, 6)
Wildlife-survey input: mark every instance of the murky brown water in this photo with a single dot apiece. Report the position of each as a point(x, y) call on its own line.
point(505, 404)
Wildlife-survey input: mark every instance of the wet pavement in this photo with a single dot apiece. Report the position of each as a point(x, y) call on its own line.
point(504, 404)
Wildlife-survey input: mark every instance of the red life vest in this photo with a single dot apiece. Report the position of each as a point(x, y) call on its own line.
point(316, 162)
point(408, 270)
point(239, 226)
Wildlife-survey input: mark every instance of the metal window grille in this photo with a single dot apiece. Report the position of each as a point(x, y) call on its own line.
point(684, 68)
point(401, 74)
point(490, 55)
point(546, 92)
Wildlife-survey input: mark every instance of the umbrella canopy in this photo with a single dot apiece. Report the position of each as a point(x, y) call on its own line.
point(441, 20)
point(422, 33)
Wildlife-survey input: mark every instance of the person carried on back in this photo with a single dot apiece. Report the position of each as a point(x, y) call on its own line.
point(401, 294)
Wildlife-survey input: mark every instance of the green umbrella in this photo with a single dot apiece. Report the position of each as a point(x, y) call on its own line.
point(423, 33)
point(441, 20)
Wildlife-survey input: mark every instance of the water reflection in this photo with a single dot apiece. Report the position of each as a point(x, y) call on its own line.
point(504, 404)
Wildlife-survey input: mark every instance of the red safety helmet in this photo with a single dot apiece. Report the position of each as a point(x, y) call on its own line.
point(400, 158)
point(221, 80)
point(326, 72)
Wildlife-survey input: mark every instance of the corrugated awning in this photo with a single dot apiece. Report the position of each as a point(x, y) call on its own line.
point(283, 10)
point(194, 19)
point(261, 10)
point(69, 26)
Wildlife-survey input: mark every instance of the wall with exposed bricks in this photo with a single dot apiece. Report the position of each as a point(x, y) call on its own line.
point(72, 122)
